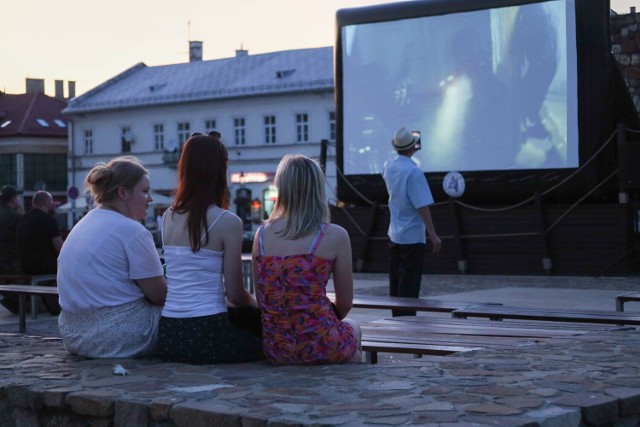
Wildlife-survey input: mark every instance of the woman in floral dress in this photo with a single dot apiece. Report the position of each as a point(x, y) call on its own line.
point(294, 254)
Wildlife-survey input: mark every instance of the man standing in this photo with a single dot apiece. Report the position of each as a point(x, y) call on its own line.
point(10, 213)
point(409, 200)
point(39, 242)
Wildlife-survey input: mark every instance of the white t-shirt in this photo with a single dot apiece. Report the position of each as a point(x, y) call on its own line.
point(100, 259)
point(408, 190)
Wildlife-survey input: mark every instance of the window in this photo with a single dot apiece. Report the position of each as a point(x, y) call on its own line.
point(5, 124)
point(43, 123)
point(126, 138)
point(158, 137)
point(332, 126)
point(209, 125)
point(88, 141)
point(60, 123)
point(50, 169)
point(302, 127)
point(239, 131)
point(184, 130)
point(8, 169)
point(270, 129)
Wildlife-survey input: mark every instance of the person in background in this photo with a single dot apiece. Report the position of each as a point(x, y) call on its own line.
point(110, 278)
point(202, 243)
point(409, 200)
point(294, 254)
point(39, 242)
point(10, 213)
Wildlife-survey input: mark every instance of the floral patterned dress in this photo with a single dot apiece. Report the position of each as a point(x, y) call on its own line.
point(299, 325)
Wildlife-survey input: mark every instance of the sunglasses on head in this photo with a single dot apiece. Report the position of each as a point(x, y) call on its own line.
point(212, 133)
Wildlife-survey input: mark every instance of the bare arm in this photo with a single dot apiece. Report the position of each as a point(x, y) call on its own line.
point(154, 288)
point(231, 230)
point(425, 214)
point(342, 272)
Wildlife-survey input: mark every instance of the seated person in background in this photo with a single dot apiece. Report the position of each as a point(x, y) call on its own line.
point(110, 279)
point(202, 244)
point(39, 243)
point(294, 254)
point(10, 214)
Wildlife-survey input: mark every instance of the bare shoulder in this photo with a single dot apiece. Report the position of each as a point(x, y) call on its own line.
point(336, 232)
point(229, 220)
point(226, 220)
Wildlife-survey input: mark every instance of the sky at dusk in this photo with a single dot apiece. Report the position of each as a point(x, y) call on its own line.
point(90, 41)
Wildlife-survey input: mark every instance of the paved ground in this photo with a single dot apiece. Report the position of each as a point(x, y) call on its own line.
point(592, 379)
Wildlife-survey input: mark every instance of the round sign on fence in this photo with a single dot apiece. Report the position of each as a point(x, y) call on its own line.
point(73, 192)
point(453, 184)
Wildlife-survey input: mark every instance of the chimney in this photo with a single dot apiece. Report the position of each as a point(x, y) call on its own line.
point(59, 89)
point(71, 90)
point(241, 52)
point(195, 51)
point(633, 9)
point(34, 85)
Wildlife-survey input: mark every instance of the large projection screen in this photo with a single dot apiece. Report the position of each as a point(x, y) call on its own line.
point(516, 95)
point(491, 89)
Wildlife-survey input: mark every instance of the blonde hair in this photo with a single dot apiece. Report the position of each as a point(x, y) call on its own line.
point(104, 179)
point(301, 201)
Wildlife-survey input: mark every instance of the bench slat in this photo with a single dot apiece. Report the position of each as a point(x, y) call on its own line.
point(404, 303)
point(551, 315)
point(372, 348)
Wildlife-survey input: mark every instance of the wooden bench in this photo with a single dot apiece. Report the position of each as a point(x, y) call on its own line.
point(623, 298)
point(403, 303)
point(22, 291)
point(550, 315)
point(372, 348)
point(440, 337)
point(25, 279)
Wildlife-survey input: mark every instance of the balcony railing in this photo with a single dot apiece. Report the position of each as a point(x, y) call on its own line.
point(170, 158)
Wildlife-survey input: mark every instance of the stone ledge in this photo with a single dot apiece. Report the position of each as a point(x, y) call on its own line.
point(586, 380)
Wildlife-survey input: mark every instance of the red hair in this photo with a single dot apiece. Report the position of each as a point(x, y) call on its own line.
point(202, 182)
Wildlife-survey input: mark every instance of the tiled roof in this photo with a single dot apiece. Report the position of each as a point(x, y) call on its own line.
point(281, 72)
point(32, 114)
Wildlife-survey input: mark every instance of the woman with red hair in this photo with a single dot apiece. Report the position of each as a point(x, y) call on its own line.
point(202, 243)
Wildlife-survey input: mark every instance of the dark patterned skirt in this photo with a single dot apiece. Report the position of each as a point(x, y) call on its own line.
point(221, 338)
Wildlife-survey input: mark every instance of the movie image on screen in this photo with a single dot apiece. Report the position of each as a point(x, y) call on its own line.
point(491, 89)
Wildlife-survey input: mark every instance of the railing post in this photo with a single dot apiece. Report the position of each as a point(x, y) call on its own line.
point(547, 264)
point(455, 223)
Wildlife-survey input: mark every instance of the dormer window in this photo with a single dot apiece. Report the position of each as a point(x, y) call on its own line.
point(156, 87)
point(284, 73)
point(43, 123)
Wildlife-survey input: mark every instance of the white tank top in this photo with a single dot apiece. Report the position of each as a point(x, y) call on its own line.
point(195, 284)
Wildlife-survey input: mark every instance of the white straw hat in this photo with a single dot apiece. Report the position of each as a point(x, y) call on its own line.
point(403, 139)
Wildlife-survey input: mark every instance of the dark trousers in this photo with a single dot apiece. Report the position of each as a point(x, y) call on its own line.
point(405, 272)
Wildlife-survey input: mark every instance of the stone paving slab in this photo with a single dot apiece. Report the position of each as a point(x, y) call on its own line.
point(592, 380)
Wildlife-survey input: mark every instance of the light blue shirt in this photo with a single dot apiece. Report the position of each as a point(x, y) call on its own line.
point(408, 191)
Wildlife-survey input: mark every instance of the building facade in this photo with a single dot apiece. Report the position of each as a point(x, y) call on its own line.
point(33, 141)
point(265, 106)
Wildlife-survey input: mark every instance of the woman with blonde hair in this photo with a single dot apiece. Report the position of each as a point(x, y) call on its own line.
point(202, 243)
point(110, 278)
point(294, 254)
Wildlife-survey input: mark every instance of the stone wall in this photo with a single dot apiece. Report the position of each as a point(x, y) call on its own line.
point(625, 46)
